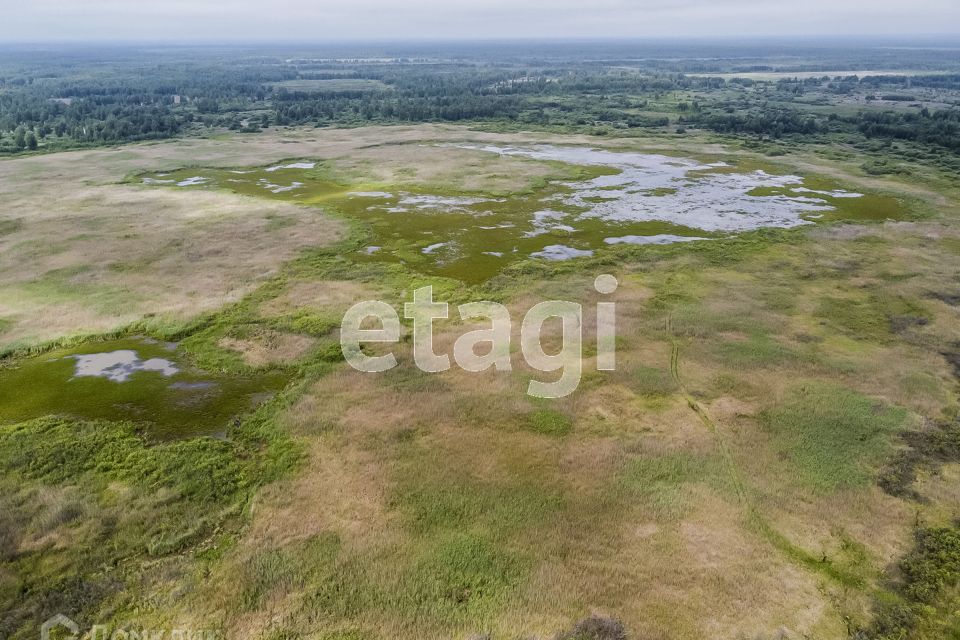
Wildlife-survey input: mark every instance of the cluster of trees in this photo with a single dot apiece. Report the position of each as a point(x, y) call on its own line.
point(99, 98)
point(772, 122)
point(386, 107)
point(948, 81)
point(84, 120)
point(940, 128)
point(72, 100)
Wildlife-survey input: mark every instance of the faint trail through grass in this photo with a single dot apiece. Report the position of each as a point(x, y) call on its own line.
point(753, 515)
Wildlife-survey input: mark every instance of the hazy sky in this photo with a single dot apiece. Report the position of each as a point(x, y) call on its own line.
point(31, 20)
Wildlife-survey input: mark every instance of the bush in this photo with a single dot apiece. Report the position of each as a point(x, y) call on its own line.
point(596, 628)
point(930, 574)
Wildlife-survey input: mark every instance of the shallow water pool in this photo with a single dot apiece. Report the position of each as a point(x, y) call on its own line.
point(135, 379)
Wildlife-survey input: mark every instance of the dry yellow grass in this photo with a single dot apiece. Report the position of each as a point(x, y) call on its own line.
point(696, 569)
point(90, 258)
point(270, 347)
point(330, 296)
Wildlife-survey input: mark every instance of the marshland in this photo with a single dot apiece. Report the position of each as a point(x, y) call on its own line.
point(776, 454)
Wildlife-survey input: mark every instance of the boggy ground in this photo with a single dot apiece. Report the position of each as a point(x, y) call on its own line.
point(734, 478)
point(83, 252)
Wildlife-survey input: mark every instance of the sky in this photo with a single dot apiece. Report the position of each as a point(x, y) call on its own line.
point(316, 20)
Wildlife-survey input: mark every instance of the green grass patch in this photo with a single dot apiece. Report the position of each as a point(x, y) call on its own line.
point(833, 437)
point(316, 324)
point(652, 381)
point(548, 422)
point(149, 500)
point(460, 576)
point(69, 284)
point(924, 599)
point(286, 569)
point(456, 578)
point(757, 350)
point(875, 317)
point(662, 481)
point(464, 559)
point(444, 501)
point(859, 319)
point(693, 320)
point(10, 226)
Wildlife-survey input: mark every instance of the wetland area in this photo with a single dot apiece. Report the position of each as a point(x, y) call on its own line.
point(134, 379)
point(774, 456)
point(624, 198)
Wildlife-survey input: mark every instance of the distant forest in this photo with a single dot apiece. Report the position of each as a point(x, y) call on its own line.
point(56, 99)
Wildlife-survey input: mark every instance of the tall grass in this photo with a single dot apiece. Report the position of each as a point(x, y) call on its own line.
point(833, 438)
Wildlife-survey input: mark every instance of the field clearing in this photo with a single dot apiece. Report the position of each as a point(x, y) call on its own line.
point(333, 85)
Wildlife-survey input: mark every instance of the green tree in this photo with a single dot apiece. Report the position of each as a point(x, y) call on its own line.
point(19, 138)
point(31, 140)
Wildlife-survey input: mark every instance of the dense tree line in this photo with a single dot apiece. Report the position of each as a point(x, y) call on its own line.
point(941, 128)
point(70, 100)
point(87, 120)
point(773, 122)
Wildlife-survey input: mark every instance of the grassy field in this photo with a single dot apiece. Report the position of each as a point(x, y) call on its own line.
point(775, 456)
point(333, 85)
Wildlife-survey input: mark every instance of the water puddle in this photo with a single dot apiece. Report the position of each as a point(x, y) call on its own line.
point(191, 181)
point(278, 188)
point(119, 365)
point(631, 199)
point(133, 379)
point(561, 252)
point(663, 238)
point(292, 165)
point(371, 194)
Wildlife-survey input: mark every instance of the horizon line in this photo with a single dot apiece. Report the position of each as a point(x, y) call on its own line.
point(542, 39)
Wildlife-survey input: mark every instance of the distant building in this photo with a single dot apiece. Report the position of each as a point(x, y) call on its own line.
point(176, 99)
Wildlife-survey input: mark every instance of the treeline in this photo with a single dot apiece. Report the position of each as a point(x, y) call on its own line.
point(65, 101)
point(939, 128)
point(549, 97)
point(85, 120)
point(339, 108)
point(89, 101)
point(949, 81)
point(771, 122)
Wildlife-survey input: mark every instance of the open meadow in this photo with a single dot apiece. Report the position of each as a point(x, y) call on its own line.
point(776, 455)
